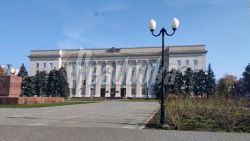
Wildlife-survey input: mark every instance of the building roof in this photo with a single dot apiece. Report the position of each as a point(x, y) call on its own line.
point(112, 52)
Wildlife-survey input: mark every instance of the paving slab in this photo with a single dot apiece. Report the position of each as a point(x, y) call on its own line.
point(56, 133)
point(104, 121)
point(112, 114)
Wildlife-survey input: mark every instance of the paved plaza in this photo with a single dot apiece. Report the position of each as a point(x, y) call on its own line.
point(103, 121)
point(112, 114)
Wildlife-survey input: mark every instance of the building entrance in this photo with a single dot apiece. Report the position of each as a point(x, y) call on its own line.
point(103, 92)
point(123, 92)
point(112, 92)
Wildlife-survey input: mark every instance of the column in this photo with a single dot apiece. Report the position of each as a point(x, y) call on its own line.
point(98, 79)
point(73, 76)
point(118, 79)
point(88, 78)
point(138, 79)
point(78, 79)
point(149, 69)
point(69, 76)
point(83, 77)
point(128, 79)
point(108, 78)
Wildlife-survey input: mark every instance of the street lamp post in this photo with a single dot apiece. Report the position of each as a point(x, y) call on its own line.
point(163, 31)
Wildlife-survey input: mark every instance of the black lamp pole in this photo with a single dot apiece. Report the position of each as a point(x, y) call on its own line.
point(163, 31)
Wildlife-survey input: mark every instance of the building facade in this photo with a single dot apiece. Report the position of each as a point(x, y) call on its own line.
point(116, 72)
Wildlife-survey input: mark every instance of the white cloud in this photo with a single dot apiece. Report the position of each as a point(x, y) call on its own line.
point(112, 7)
point(77, 26)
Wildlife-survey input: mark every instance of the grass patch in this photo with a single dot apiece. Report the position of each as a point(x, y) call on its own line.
point(214, 114)
point(67, 102)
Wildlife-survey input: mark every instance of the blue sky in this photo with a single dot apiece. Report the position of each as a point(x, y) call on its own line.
point(222, 25)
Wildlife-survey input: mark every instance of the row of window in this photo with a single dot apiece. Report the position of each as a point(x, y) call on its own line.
point(122, 74)
point(179, 63)
point(44, 65)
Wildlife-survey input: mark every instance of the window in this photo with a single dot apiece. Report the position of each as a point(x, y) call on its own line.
point(133, 91)
point(37, 65)
point(74, 83)
point(113, 74)
point(74, 69)
point(178, 62)
point(83, 87)
point(187, 62)
point(51, 65)
point(93, 80)
point(83, 91)
point(195, 62)
point(144, 74)
point(44, 65)
point(73, 91)
point(144, 91)
point(123, 75)
point(94, 68)
point(83, 70)
point(103, 73)
point(92, 92)
point(123, 83)
point(133, 75)
point(74, 87)
point(83, 82)
point(153, 72)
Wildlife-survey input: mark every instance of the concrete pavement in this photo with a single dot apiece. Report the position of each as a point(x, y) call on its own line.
point(112, 114)
point(104, 121)
point(56, 133)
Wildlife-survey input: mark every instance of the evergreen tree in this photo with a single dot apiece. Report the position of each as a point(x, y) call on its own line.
point(169, 77)
point(172, 86)
point(158, 85)
point(196, 85)
point(63, 86)
point(246, 79)
point(188, 79)
point(43, 80)
point(210, 82)
point(199, 83)
point(29, 86)
point(23, 72)
point(179, 82)
point(41, 83)
point(52, 84)
point(176, 79)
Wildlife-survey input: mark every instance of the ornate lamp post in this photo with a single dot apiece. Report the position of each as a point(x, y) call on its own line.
point(163, 31)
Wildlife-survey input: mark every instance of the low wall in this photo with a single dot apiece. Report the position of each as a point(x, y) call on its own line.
point(30, 100)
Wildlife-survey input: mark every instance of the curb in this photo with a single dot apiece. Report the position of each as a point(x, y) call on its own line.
point(142, 126)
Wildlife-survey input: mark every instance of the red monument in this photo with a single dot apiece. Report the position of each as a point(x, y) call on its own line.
point(10, 90)
point(10, 86)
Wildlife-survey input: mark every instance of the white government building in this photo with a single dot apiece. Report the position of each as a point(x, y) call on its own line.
point(116, 72)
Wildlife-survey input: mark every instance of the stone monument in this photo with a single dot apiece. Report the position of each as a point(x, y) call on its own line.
point(10, 86)
point(10, 90)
